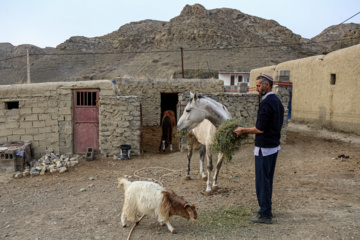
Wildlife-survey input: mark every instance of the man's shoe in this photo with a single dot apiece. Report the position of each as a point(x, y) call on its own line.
point(260, 219)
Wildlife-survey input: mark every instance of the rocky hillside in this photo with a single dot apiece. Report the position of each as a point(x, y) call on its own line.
point(212, 40)
point(329, 38)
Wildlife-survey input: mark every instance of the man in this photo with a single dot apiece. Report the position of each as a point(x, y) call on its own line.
point(269, 121)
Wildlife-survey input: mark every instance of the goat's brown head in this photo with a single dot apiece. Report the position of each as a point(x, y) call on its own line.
point(176, 205)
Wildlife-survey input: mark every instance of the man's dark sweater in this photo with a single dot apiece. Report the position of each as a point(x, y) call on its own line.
point(270, 119)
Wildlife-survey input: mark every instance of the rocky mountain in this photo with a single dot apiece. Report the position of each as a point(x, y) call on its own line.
point(211, 40)
point(348, 33)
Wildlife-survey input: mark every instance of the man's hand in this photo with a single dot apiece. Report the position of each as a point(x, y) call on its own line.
point(239, 131)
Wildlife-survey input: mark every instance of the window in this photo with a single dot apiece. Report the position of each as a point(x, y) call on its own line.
point(11, 105)
point(332, 79)
point(86, 98)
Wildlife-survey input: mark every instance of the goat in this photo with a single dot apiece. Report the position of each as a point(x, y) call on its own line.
point(145, 197)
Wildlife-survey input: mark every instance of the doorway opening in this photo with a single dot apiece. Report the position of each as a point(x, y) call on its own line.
point(168, 102)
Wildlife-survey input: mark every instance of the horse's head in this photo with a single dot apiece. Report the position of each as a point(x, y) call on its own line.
point(194, 113)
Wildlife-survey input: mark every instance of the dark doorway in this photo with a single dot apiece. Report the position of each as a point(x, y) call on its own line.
point(168, 102)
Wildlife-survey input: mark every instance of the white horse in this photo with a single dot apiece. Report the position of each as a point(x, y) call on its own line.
point(202, 116)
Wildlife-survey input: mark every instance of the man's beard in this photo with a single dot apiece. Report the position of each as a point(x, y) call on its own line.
point(263, 93)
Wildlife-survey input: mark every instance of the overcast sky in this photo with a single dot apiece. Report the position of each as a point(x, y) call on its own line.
point(51, 22)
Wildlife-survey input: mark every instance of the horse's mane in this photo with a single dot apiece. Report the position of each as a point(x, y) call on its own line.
point(214, 102)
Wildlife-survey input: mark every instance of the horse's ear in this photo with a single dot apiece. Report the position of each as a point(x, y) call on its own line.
point(191, 95)
point(195, 97)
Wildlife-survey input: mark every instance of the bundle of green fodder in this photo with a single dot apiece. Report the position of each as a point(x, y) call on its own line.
point(225, 139)
point(182, 133)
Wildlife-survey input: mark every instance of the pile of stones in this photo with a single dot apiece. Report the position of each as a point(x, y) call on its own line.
point(50, 162)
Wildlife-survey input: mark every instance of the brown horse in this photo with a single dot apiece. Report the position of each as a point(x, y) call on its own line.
point(167, 124)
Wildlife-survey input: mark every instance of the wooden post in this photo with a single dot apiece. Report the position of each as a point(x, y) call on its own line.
point(182, 62)
point(28, 66)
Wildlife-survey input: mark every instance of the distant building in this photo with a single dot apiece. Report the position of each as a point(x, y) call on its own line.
point(325, 88)
point(231, 79)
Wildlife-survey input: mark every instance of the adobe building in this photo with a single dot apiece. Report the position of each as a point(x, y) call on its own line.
point(325, 88)
point(70, 117)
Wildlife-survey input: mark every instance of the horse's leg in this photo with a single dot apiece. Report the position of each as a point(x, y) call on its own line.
point(216, 174)
point(170, 138)
point(161, 140)
point(190, 143)
point(209, 169)
point(202, 157)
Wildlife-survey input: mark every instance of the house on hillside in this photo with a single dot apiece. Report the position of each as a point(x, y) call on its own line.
point(231, 79)
point(324, 88)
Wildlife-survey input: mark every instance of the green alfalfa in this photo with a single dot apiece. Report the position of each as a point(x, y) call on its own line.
point(225, 139)
point(182, 133)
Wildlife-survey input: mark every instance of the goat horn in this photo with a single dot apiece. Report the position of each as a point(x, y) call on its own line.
point(187, 204)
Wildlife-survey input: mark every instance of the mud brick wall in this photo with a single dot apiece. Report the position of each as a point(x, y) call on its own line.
point(242, 105)
point(120, 123)
point(44, 115)
point(150, 90)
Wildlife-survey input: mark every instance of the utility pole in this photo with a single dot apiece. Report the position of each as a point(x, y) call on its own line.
point(182, 62)
point(28, 66)
point(208, 68)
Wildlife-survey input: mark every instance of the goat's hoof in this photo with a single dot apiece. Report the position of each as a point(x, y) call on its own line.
point(187, 178)
point(124, 226)
point(173, 231)
point(137, 223)
point(214, 188)
point(204, 179)
point(208, 193)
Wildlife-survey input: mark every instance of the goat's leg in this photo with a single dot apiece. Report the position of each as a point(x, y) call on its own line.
point(217, 170)
point(209, 169)
point(171, 229)
point(202, 157)
point(123, 217)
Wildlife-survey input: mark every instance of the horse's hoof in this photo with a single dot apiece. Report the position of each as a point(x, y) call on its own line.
point(204, 179)
point(214, 188)
point(187, 178)
point(208, 193)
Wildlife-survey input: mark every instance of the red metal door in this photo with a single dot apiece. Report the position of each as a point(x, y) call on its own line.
point(86, 120)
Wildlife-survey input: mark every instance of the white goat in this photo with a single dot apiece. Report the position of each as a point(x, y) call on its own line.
point(143, 197)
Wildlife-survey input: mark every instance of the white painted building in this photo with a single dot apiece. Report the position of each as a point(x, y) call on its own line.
point(231, 79)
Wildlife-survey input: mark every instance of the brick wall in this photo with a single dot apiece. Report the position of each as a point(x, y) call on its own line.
point(151, 89)
point(120, 124)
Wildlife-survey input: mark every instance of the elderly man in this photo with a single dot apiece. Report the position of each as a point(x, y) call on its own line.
point(269, 121)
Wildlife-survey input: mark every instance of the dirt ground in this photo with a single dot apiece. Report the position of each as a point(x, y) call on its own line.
point(316, 195)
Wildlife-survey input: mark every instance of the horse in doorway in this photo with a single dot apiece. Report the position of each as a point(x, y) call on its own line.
point(202, 116)
point(168, 122)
